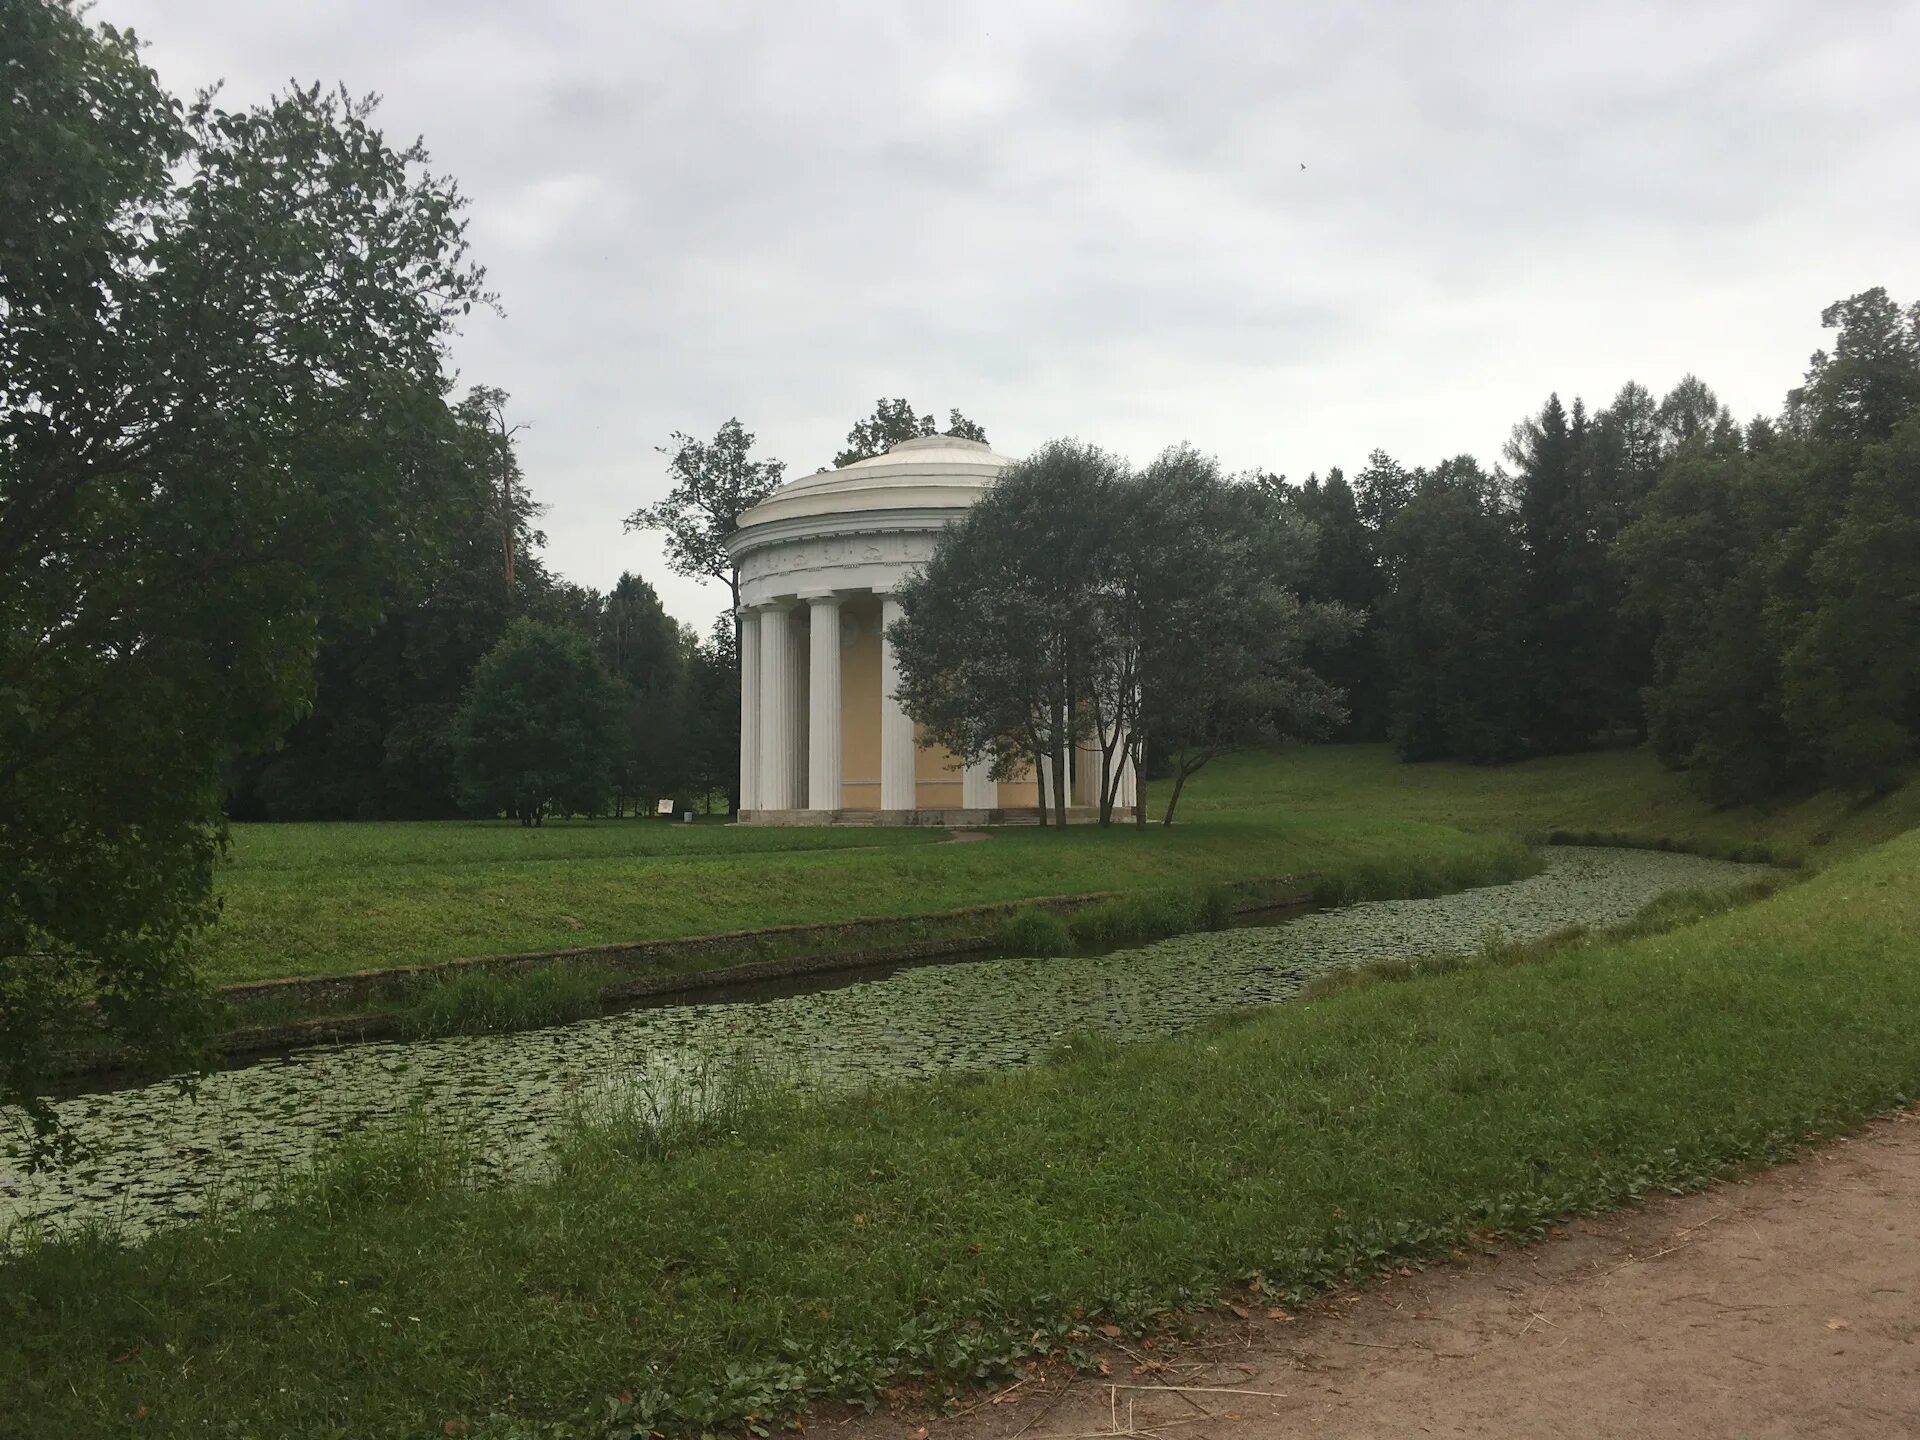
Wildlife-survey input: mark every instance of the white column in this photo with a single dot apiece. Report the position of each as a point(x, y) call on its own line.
point(1083, 768)
point(797, 644)
point(977, 788)
point(823, 703)
point(777, 705)
point(749, 709)
point(896, 730)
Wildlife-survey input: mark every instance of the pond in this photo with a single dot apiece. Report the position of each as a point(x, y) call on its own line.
point(156, 1155)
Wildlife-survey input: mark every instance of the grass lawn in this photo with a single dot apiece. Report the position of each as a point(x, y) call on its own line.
point(949, 1228)
point(1621, 794)
point(327, 899)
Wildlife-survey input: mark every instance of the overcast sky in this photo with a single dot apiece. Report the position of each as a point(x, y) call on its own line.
point(1092, 219)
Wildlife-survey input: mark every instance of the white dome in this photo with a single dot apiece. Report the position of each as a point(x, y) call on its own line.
point(934, 471)
point(863, 525)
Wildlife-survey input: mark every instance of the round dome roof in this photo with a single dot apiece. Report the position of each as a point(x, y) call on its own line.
point(918, 484)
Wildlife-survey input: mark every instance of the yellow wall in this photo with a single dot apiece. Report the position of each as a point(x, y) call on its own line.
point(937, 779)
point(860, 703)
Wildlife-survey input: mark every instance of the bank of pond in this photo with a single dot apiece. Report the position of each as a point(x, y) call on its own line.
point(157, 1154)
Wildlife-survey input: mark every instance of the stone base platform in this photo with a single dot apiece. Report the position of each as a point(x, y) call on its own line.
point(941, 819)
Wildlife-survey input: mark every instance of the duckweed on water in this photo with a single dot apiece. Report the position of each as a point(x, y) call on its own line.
point(156, 1155)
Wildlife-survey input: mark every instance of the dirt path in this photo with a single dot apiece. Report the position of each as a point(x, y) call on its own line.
point(1782, 1307)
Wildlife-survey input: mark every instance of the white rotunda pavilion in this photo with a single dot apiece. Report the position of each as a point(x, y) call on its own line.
point(823, 739)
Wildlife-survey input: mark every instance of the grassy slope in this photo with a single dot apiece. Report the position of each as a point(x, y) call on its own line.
point(327, 899)
point(941, 1225)
point(1622, 793)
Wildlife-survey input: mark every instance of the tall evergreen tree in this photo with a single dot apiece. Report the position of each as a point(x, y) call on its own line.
point(1568, 617)
point(1453, 625)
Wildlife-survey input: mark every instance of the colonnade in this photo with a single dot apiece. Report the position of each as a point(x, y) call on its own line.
point(790, 711)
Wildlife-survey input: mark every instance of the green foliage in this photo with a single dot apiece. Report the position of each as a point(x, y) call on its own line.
point(1345, 571)
point(680, 1108)
point(374, 744)
point(1453, 623)
point(1035, 930)
point(221, 432)
point(480, 1001)
point(1000, 641)
point(828, 1252)
point(1781, 572)
point(1208, 605)
point(1147, 915)
point(1121, 920)
point(893, 421)
point(538, 729)
point(1413, 873)
point(1566, 613)
point(1174, 624)
point(411, 1161)
point(714, 483)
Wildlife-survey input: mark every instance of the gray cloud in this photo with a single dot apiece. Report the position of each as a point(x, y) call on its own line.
point(1090, 218)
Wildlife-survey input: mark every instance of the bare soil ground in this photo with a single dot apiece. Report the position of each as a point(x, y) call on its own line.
point(1785, 1305)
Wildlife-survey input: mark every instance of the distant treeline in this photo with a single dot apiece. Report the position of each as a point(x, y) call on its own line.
point(1746, 597)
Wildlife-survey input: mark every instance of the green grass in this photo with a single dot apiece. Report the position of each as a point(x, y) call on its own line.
point(1614, 796)
point(477, 1002)
point(328, 900)
point(946, 1229)
point(1121, 920)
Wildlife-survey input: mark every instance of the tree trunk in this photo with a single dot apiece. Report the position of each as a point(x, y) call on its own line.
point(1181, 775)
point(1179, 784)
point(1040, 785)
point(1137, 754)
point(1109, 784)
point(1059, 770)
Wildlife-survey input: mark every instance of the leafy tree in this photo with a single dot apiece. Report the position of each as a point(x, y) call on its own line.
point(1174, 624)
point(1778, 578)
point(714, 483)
point(374, 743)
point(1625, 453)
point(1001, 625)
point(893, 421)
point(539, 728)
point(651, 655)
point(1852, 673)
point(1691, 411)
point(221, 430)
point(1345, 570)
point(712, 710)
point(1382, 489)
point(1211, 581)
